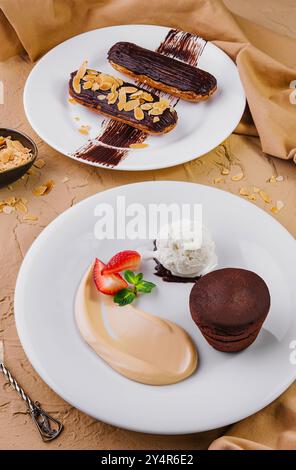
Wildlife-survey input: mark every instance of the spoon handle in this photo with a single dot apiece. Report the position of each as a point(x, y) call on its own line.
point(48, 427)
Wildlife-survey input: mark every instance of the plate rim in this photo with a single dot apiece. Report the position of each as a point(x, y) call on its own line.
point(49, 141)
point(117, 422)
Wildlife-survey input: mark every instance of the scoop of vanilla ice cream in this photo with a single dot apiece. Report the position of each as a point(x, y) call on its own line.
point(186, 248)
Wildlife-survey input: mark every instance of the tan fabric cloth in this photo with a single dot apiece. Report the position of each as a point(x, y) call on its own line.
point(41, 28)
point(266, 81)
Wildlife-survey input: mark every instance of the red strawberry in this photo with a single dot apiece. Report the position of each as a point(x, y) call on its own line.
point(108, 284)
point(123, 260)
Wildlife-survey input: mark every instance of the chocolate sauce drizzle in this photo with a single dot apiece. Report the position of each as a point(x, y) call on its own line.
point(112, 145)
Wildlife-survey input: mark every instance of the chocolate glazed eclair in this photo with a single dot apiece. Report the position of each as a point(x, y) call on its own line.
point(161, 72)
point(121, 101)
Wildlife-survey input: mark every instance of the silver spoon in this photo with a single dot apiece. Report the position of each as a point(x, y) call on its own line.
point(48, 427)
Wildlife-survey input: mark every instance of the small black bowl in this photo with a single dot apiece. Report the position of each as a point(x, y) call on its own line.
point(13, 174)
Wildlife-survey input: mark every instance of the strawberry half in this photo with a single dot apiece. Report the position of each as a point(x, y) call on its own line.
point(123, 260)
point(108, 284)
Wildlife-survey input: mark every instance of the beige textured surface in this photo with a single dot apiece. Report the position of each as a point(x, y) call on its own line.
point(16, 235)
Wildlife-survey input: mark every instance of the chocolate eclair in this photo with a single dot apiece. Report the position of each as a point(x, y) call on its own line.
point(161, 72)
point(122, 101)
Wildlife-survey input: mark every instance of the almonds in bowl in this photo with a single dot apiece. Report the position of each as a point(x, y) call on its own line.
point(17, 154)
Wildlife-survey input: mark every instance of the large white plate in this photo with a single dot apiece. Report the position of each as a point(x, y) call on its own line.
point(201, 127)
point(226, 387)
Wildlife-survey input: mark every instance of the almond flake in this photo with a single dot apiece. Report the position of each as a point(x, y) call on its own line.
point(137, 94)
point(146, 106)
point(155, 111)
point(105, 86)
point(155, 119)
point(95, 87)
point(30, 217)
point(264, 196)
point(39, 163)
point(279, 205)
point(112, 97)
point(84, 130)
point(101, 97)
point(237, 177)
point(87, 85)
point(224, 171)
point(20, 206)
point(139, 114)
point(120, 105)
point(244, 192)
point(147, 96)
point(218, 180)
point(132, 104)
point(138, 146)
point(129, 89)
point(72, 101)
point(44, 188)
point(79, 75)
point(272, 179)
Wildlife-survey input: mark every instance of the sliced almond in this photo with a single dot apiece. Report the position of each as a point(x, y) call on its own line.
point(39, 163)
point(129, 89)
point(244, 192)
point(95, 86)
point(72, 101)
point(224, 171)
point(272, 179)
point(44, 188)
point(101, 97)
point(132, 104)
point(264, 196)
point(218, 180)
point(156, 119)
point(79, 75)
point(146, 106)
point(105, 86)
point(237, 177)
point(138, 146)
point(147, 96)
point(280, 205)
point(112, 97)
point(120, 105)
point(84, 130)
point(21, 207)
point(155, 111)
point(30, 217)
point(137, 94)
point(139, 114)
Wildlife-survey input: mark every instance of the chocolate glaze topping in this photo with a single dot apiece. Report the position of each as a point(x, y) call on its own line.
point(89, 98)
point(161, 68)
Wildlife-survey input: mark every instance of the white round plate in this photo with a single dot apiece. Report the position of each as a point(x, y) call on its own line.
point(201, 127)
point(226, 387)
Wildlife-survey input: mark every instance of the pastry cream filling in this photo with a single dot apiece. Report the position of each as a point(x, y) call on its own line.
point(136, 344)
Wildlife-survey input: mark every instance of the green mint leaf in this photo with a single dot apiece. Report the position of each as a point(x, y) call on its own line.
point(124, 297)
point(145, 286)
point(139, 278)
point(130, 277)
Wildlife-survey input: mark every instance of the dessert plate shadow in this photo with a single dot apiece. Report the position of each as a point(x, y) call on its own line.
point(226, 387)
point(200, 128)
